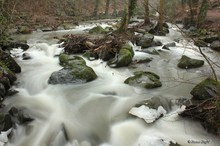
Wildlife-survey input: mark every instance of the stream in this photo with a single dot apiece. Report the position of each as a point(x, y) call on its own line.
point(97, 113)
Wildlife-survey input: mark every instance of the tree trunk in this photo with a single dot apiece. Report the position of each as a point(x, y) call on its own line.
point(146, 14)
point(128, 12)
point(96, 8)
point(161, 16)
point(115, 8)
point(107, 7)
point(202, 13)
point(193, 5)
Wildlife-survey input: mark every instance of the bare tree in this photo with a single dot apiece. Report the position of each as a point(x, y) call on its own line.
point(202, 13)
point(128, 12)
point(107, 7)
point(161, 16)
point(96, 8)
point(146, 14)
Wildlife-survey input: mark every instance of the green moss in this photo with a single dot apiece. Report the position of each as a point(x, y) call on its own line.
point(187, 62)
point(124, 58)
point(206, 89)
point(146, 80)
point(129, 48)
point(9, 74)
point(69, 60)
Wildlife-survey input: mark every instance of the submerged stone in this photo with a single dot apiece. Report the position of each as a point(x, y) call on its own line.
point(147, 80)
point(187, 62)
point(206, 89)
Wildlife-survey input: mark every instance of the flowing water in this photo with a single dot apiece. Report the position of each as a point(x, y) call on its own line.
point(96, 113)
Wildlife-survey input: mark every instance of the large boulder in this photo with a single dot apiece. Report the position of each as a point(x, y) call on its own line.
point(187, 62)
point(9, 62)
point(146, 80)
point(75, 71)
point(145, 41)
point(123, 58)
point(215, 45)
point(206, 89)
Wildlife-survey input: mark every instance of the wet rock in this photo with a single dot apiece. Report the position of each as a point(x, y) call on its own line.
point(11, 92)
point(92, 56)
point(5, 81)
point(155, 102)
point(210, 38)
point(172, 44)
point(26, 56)
point(145, 41)
point(97, 30)
point(145, 60)
point(215, 45)
point(157, 43)
point(156, 31)
point(47, 29)
point(70, 60)
point(187, 62)
point(146, 80)
point(9, 62)
point(5, 122)
point(151, 51)
point(2, 90)
point(19, 116)
point(11, 45)
point(165, 47)
point(123, 58)
point(6, 72)
point(75, 71)
point(206, 89)
point(78, 74)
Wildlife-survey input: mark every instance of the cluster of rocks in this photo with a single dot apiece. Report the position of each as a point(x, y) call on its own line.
point(8, 69)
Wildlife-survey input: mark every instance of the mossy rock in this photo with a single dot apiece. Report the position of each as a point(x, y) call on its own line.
point(77, 74)
point(206, 89)
point(6, 72)
point(75, 71)
point(145, 41)
point(90, 55)
point(69, 60)
point(9, 62)
point(155, 102)
point(97, 30)
point(146, 80)
point(123, 58)
point(187, 62)
point(151, 51)
point(129, 48)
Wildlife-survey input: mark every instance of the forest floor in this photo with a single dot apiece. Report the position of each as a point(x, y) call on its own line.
point(213, 20)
